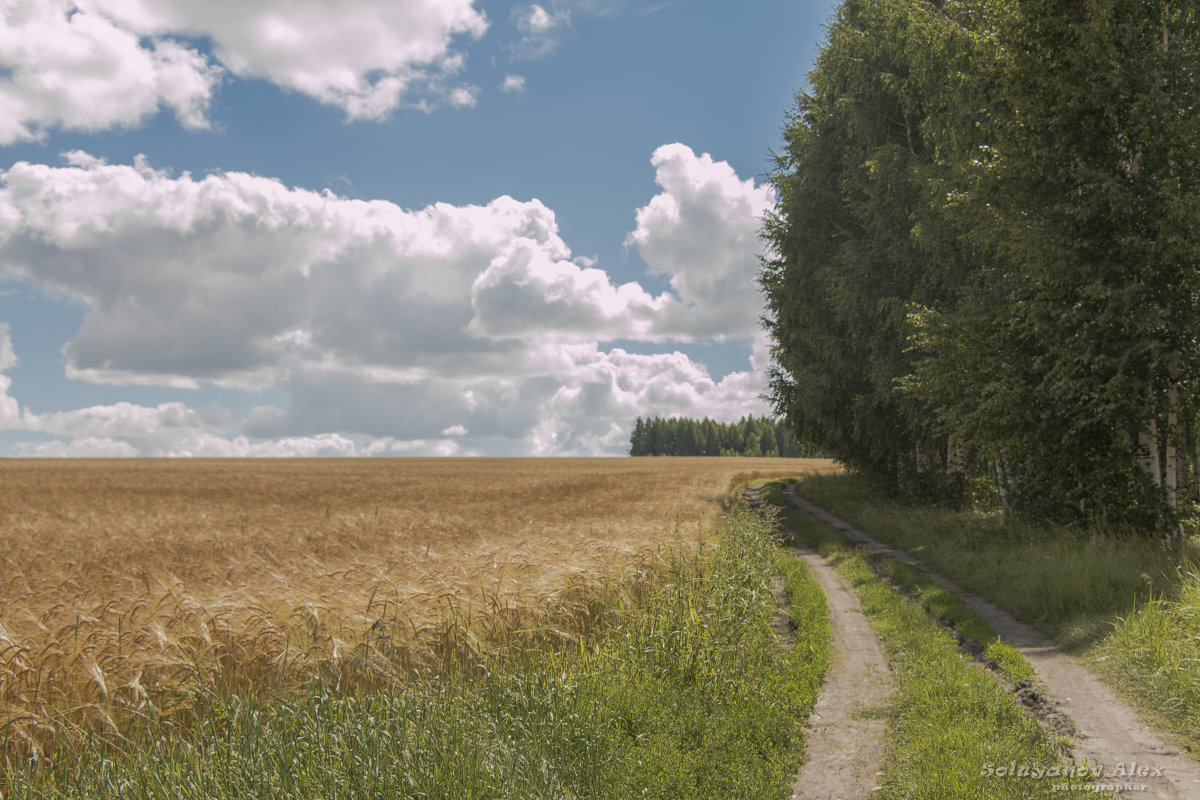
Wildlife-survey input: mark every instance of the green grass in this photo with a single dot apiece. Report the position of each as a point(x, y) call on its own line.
point(951, 726)
point(686, 696)
point(1153, 655)
point(1126, 605)
point(944, 605)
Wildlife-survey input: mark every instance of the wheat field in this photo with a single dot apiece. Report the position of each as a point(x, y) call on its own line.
point(129, 587)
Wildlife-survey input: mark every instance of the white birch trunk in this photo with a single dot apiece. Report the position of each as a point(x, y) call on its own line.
point(956, 457)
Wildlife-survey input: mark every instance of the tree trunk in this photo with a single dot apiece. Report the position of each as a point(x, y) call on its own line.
point(956, 457)
point(1147, 455)
point(1004, 486)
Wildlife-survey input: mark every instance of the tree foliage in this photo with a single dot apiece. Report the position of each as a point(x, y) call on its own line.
point(985, 248)
point(749, 436)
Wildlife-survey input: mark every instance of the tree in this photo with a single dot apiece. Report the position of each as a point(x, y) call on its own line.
point(680, 436)
point(985, 251)
point(639, 444)
point(849, 252)
point(1075, 347)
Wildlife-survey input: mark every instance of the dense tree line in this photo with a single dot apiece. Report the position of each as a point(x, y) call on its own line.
point(749, 436)
point(984, 260)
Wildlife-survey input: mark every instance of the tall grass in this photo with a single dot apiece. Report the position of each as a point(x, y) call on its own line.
point(686, 694)
point(1127, 605)
point(1154, 654)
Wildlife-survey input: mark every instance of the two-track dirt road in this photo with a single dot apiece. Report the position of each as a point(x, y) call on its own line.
point(845, 746)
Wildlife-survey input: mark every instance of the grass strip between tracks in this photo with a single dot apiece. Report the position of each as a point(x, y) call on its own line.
point(688, 695)
point(953, 730)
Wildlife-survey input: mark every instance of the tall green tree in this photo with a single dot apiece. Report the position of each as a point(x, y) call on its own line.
point(1072, 359)
point(985, 251)
point(853, 241)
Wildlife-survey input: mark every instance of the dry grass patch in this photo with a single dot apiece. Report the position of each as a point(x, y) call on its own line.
point(129, 587)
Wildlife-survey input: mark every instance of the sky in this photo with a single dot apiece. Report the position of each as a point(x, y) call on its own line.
point(384, 227)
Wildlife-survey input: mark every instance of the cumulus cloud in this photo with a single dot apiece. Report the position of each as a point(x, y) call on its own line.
point(169, 430)
point(8, 359)
point(526, 291)
point(75, 67)
point(702, 232)
point(96, 64)
point(600, 393)
point(233, 277)
point(442, 330)
point(10, 411)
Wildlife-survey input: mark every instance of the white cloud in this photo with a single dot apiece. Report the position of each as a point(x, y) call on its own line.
point(203, 446)
point(601, 393)
point(96, 64)
point(464, 96)
point(233, 278)
point(513, 84)
point(612, 8)
point(537, 20)
point(439, 330)
point(10, 411)
point(527, 291)
point(8, 359)
point(74, 67)
point(702, 231)
point(539, 29)
point(87, 447)
point(170, 430)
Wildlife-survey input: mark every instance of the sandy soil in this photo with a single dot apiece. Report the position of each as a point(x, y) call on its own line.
point(846, 732)
point(1108, 731)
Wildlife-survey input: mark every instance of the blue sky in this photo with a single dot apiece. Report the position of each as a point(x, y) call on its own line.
point(383, 227)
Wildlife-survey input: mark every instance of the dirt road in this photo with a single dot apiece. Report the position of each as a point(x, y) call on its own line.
point(1108, 731)
point(845, 740)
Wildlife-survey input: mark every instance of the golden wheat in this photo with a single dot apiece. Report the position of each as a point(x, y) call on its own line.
point(128, 586)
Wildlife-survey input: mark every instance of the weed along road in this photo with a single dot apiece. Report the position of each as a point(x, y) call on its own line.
point(1124, 755)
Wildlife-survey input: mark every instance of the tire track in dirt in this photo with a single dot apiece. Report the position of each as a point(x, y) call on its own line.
point(1108, 731)
point(846, 733)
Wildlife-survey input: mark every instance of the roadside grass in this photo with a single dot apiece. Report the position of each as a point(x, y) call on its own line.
point(685, 694)
point(953, 731)
point(1129, 606)
point(945, 606)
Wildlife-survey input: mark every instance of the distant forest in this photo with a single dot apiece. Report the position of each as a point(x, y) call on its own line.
point(749, 436)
